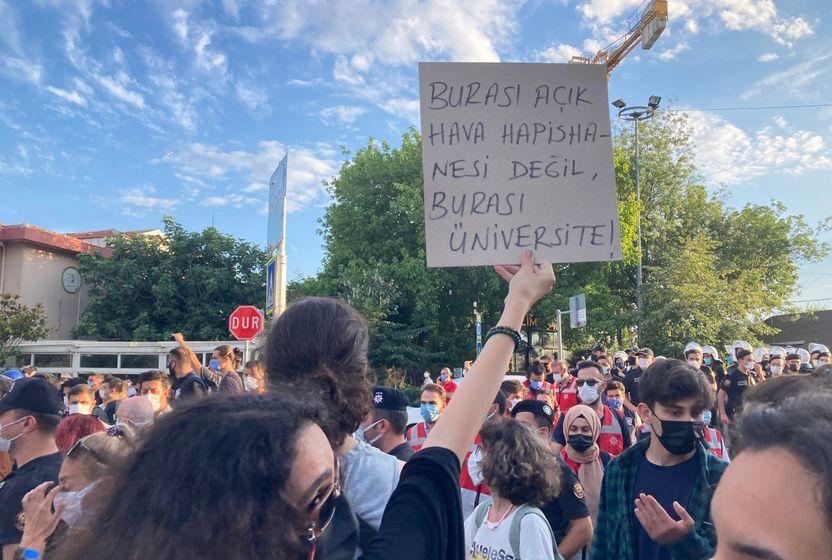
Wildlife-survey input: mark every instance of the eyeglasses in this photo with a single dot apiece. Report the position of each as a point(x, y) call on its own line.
point(315, 529)
point(92, 453)
point(590, 382)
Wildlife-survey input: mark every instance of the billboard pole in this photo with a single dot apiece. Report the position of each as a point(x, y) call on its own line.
point(276, 241)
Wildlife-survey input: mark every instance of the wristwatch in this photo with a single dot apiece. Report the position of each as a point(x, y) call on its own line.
point(25, 554)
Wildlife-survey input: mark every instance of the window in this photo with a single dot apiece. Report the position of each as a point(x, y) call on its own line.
point(140, 361)
point(53, 360)
point(99, 360)
point(18, 361)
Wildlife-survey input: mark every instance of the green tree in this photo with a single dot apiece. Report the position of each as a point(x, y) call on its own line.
point(187, 281)
point(19, 323)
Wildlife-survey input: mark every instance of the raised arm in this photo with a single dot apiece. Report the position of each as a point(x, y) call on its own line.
point(195, 362)
point(458, 425)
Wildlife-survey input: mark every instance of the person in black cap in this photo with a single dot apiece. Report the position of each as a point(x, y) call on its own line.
point(567, 514)
point(644, 357)
point(29, 414)
point(384, 427)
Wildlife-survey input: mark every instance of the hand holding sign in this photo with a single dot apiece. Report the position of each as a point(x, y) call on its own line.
point(517, 156)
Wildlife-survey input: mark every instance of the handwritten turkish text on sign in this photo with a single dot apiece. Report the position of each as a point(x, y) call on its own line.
point(517, 156)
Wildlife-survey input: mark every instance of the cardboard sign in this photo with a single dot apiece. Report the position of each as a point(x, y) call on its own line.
point(516, 157)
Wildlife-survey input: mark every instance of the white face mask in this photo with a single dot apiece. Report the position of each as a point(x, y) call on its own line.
point(103, 394)
point(73, 504)
point(749, 366)
point(80, 409)
point(643, 363)
point(693, 363)
point(587, 394)
point(361, 431)
point(776, 370)
point(6, 444)
point(155, 401)
point(251, 383)
point(474, 468)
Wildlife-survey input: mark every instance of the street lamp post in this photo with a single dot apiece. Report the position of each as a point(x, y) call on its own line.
point(636, 114)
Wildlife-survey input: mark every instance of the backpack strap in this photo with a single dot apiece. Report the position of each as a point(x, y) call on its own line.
point(479, 513)
point(514, 530)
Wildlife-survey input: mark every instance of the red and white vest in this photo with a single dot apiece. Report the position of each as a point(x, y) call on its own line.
point(471, 493)
point(566, 394)
point(546, 385)
point(714, 443)
point(611, 439)
point(417, 435)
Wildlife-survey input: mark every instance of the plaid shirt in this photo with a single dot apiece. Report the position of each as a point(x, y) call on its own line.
point(615, 529)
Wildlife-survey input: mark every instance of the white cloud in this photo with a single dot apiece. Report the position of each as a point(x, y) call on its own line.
point(21, 69)
point(232, 8)
point(768, 57)
point(197, 37)
point(407, 109)
point(731, 156)
point(673, 52)
point(254, 97)
point(10, 27)
point(558, 53)
point(119, 86)
point(233, 199)
point(795, 79)
point(138, 201)
point(71, 96)
point(345, 114)
point(218, 166)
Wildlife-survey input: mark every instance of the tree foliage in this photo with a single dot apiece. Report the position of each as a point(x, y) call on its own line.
point(711, 272)
point(19, 323)
point(187, 282)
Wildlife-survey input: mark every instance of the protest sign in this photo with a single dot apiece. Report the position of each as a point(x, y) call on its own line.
point(517, 156)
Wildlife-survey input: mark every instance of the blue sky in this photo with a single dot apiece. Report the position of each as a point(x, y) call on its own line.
point(114, 113)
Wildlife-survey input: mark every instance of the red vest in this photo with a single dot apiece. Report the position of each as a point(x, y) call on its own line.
point(713, 442)
point(566, 394)
point(417, 435)
point(528, 386)
point(611, 439)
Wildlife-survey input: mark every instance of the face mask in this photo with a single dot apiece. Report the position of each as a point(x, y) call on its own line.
point(794, 367)
point(90, 383)
point(361, 433)
point(6, 444)
point(678, 437)
point(707, 361)
point(474, 468)
point(80, 409)
point(103, 394)
point(155, 401)
point(816, 363)
point(587, 394)
point(619, 363)
point(693, 363)
point(707, 416)
point(251, 382)
point(643, 363)
point(73, 504)
point(66, 400)
point(776, 370)
point(614, 403)
point(535, 384)
point(631, 360)
point(429, 412)
point(605, 370)
point(580, 442)
point(214, 365)
point(749, 366)
point(512, 402)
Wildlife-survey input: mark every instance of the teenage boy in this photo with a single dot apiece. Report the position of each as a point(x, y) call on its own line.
point(669, 477)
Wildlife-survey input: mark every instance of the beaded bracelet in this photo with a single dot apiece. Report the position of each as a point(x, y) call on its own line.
point(506, 331)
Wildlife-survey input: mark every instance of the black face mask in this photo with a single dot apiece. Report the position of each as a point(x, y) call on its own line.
point(679, 437)
point(794, 367)
point(580, 442)
point(631, 360)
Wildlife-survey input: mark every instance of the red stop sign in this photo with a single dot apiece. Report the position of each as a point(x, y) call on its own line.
point(245, 322)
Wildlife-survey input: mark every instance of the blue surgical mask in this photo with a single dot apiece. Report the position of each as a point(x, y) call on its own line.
point(708, 361)
point(535, 384)
point(214, 365)
point(361, 433)
point(443, 378)
point(706, 417)
point(429, 412)
point(614, 403)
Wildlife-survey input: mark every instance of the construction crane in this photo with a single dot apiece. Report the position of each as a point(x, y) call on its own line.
point(646, 23)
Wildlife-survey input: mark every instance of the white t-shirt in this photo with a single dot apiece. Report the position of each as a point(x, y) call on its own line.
point(491, 541)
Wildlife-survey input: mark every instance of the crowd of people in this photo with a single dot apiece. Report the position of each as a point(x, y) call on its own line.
point(622, 455)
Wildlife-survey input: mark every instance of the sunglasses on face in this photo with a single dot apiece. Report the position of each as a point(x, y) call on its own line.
point(91, 452)
point(590, 382)
point(325, 504)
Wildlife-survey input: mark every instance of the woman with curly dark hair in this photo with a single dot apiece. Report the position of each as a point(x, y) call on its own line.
point(522, 473)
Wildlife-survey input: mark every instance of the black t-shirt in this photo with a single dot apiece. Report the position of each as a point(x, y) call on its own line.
point(189, 387)
point(666, 484)
point(15, 486)
point(631, 381)
point(734, 385)
point(569, 504)
point(423, 519)
point(402, 452)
